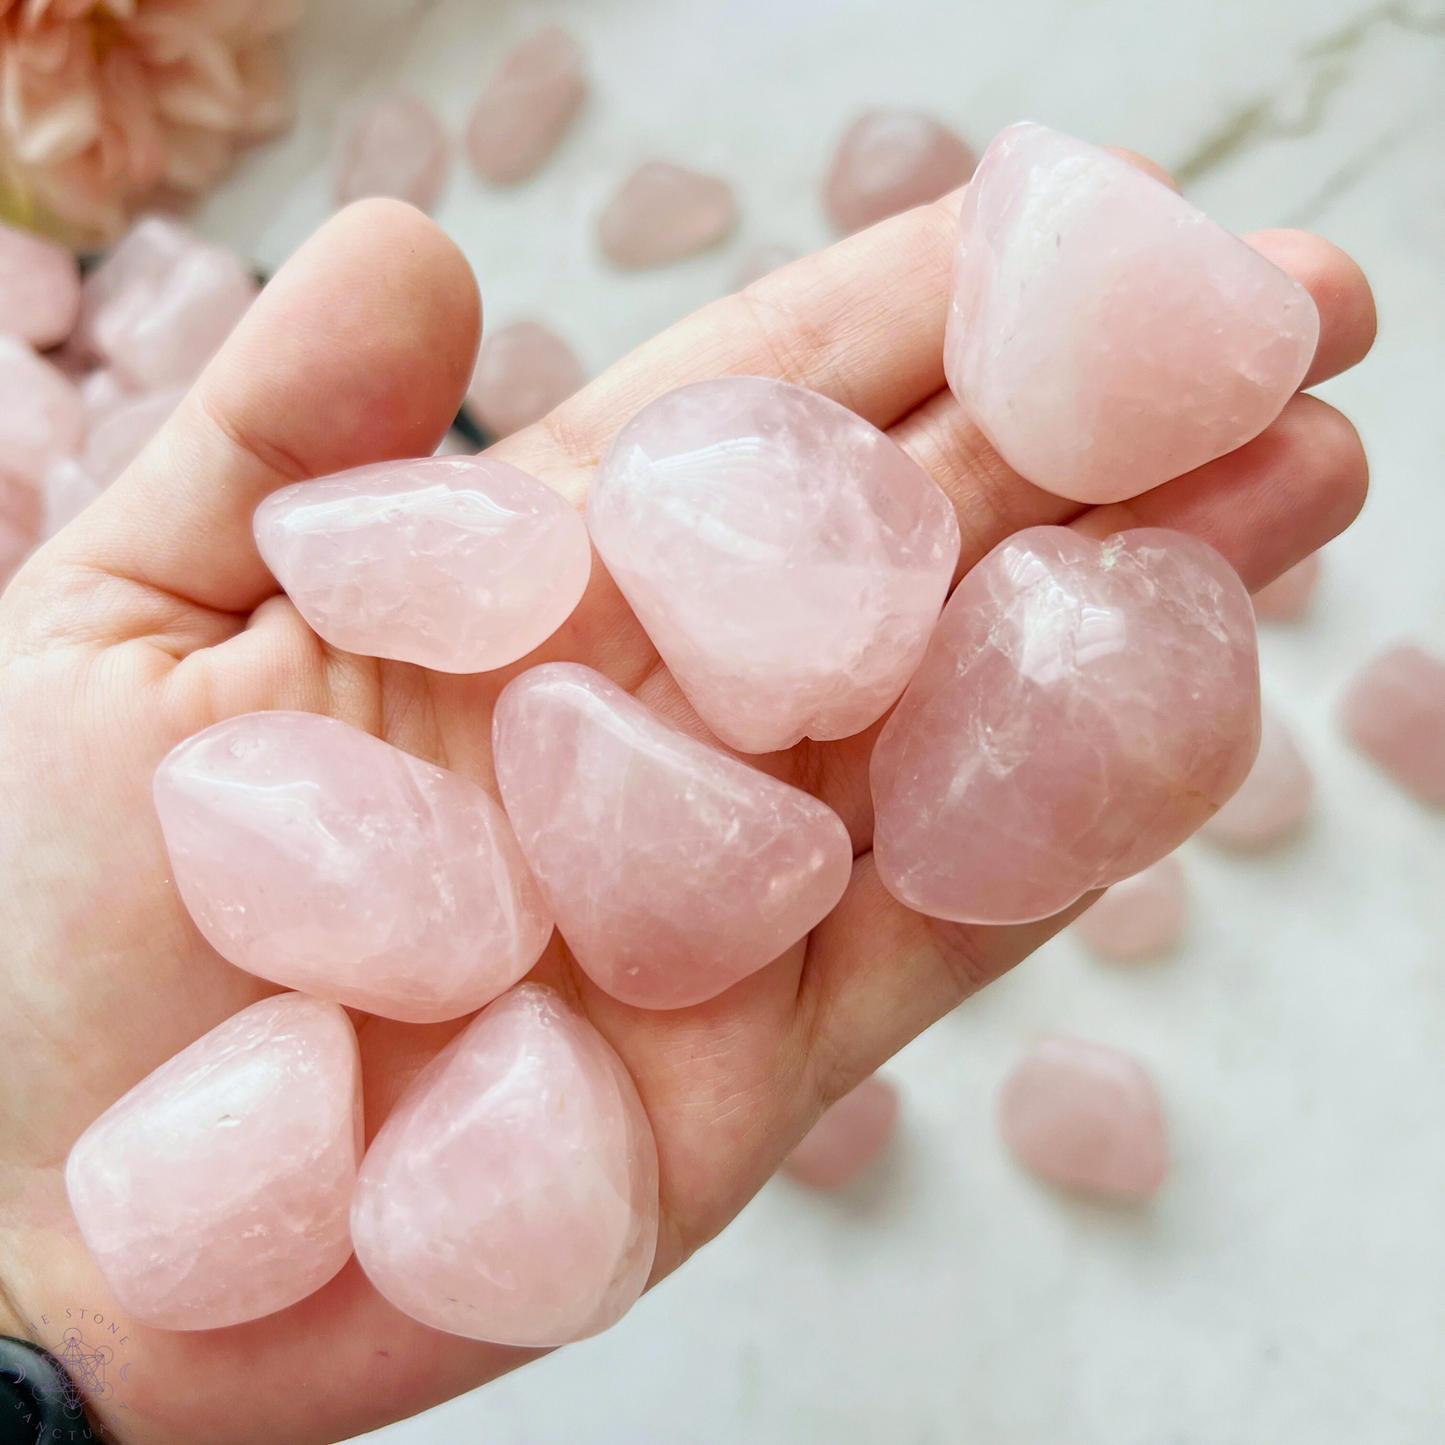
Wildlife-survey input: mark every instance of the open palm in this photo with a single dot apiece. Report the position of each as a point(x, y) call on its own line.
point(152, 616)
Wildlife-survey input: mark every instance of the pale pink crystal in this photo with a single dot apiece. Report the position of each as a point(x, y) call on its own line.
point(462, 564)
point(673, 870)
point(22, 514)
point(142, 258)
point(1105, 335)
point(69, 489)
point(39, 288)
point(1082, 708)
point(1394, 710)
point(218, 1189)
point(890, 161)
point(512, 1194)
point(41, 416)
point(1086, 1116)
point(522, 372)
point(398, 148)
point(1273, 800)
point(787, 559)
point(527, 106)
point(663, 213)
point(1139, 917)
point(320, 857)
point(1287, 597)
point(847, 1139)
point(101, 391)
point(118, 437)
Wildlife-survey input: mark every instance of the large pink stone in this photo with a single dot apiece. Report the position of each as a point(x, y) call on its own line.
point(848, 1138)
point(462, 564)
point(1082, 708)
point(399, 149)
point(320, 857)
point(662, 213)
point(1289, 595)
point(522, 372)
point(527, 106)
point(1139, 917)
point(1394, 710)
point(1085, 1116)
point(673, 870)
point(512, 1194)
point(1105, 335)
point(41, 416)
point(118, 437)
point(219, 1188)
point(787, 559)
point(890, 161)
point(1273, 800)
point(140, 259)
point(39, 288)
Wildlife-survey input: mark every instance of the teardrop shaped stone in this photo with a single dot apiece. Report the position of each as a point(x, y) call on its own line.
point(848, 1138)
point(526, 107)
point(664, 212)
point(1139, 917)
point(890, 161)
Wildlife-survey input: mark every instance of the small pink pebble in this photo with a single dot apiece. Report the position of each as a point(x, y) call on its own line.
point(1273, 800)
point(398, 148)
point(1086, 1116)
point(890, 161)
point(119, 436)
point(39, 288)
point(320, 857)
point(1394, 710)
point(218, 1189)
point(1140, 917)
point(462, 564)
point(22, 514)
point(522, 372)
point(41, 416)
point(512, 1194)
point(663, 213)
point(848, 1137)
point(1287, 597)
point(527, 106)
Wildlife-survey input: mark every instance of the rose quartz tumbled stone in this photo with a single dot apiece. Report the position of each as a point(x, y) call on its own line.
point(118, 437)
point(140, 259)
point(512, 1194)
point(1287, 597)
point(1272, 801)
point(1085, 1116)
point(663, 213)
point(69, 489)
point(39, 288)
point(1394, 711)
point(1082, 708)
point(41, 416)
point(462, 564)
point(527, 106)
point(1105, 335)
point(673, 870)
point(890, 161)
point(399, 149)
point(320, 857)
point(522, 372)
point(848, 1138)
point(219, 1189)
point(1139, 917)
point(22, 514)
point(787, 559)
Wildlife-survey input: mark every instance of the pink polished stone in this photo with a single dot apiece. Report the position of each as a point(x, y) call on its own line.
point(218, 1190)
point(759, 262)
point(1287, 597)
point(69, 489)
point(1082, 708)
point(848, 1138)
point(398, 148)
point(1085, 1116)
point(39, 288)
point(22, 514)
point(1105, 335)
point(522, 372)
point(527, 106)
point(101, 391)
point(673, 869)
point(663, 213)
point(462, 564)
point(41, 416)
point(119, 436)
point(787, 559)
point(512, 1194)
point(141, 259)
point(1272, 801)
point(890, 161)
point(1395, 712)
point(1139, 917)
point(320, 857)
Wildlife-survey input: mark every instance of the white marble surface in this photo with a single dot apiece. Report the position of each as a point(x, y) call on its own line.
point(1289, 1283)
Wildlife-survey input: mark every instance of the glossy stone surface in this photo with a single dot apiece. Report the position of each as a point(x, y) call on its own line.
point(1272, 801)
point(117, 438)
point(662, 213)
point(522, 372)
point(41, 417)
point(462, 564)
point(398, 148)
point(1139, 917)
point(787, 559)
point(527, 106)
point(320, 857)
point(1105, 335)
point(1394, 711)
point(140, 259)
point(39, 288)
point(1085, 1116)
point(1082, 708)
point(848, 1138)
point(890, 161)
point(759, 262)
point(219, 1188)
point(673, 870)
point(512, 1194)
point(22, 514)
point(1288, 597)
